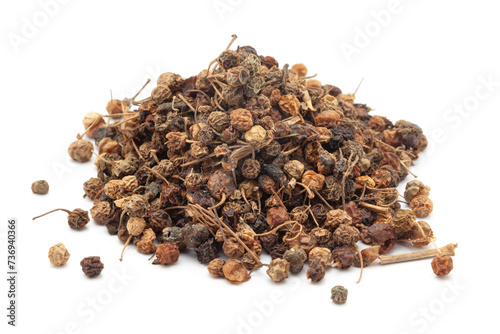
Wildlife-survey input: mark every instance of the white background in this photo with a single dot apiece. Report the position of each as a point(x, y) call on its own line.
point(426, 59)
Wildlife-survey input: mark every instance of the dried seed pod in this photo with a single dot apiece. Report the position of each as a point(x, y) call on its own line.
point(384, 235)
point(296, 256)
point(92, 266)
point(346, 235)
point(235, 272)
point(58, 254)
point(80, 150)
point(421, 205)
point(313, 180)
point(93, 187)
point(146, 243)
point(442, 265)
point(92, 121)
point(339, 294)
point(278, 270)
point(241, 119)
point(215, 267)
point(40, 187)
point(193, 235)
point(335, 218)
point(322, 254)
point(316, 271)
point(250, 169)
point(167, 253)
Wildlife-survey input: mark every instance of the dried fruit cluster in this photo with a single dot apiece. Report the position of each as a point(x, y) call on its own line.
point(246, 156)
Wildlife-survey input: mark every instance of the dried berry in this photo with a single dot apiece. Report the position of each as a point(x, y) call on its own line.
point(346, 235)
point(384, 235)
point(295, 169)
point(250, 169)
point(241, 119)
point(339, 294)
point(80, 150)
point(322, 254)
point(40, 187)
point(93, 187)
point(313, 180)
point(442, 265)
point(278, 270)
point(296, 256)
point(344, 256)
point(235, 272)
point(100, 212)
point(167, 253)
point(206, 252)
point(415, 188)
point(77, 219)
point(146, 243)
point(335, 218)
point(403, 221)
point(300, 70)
point(92, 121)
point(92, 266)
point(316, 271)
point(276, 216)
point(215, 267)
point(58, 255)
point(193, 235)
point(421, 205)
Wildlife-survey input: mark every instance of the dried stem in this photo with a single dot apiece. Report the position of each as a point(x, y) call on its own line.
point(152, 170)
point(125, 246)
point(372, 207)
point(67, 211)
point(322, 199)
point(276, 228)
point(222, 201)
point(360, 263)
point(446, 250)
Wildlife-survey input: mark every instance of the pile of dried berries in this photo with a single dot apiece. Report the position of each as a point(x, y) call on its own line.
point(246, 156)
